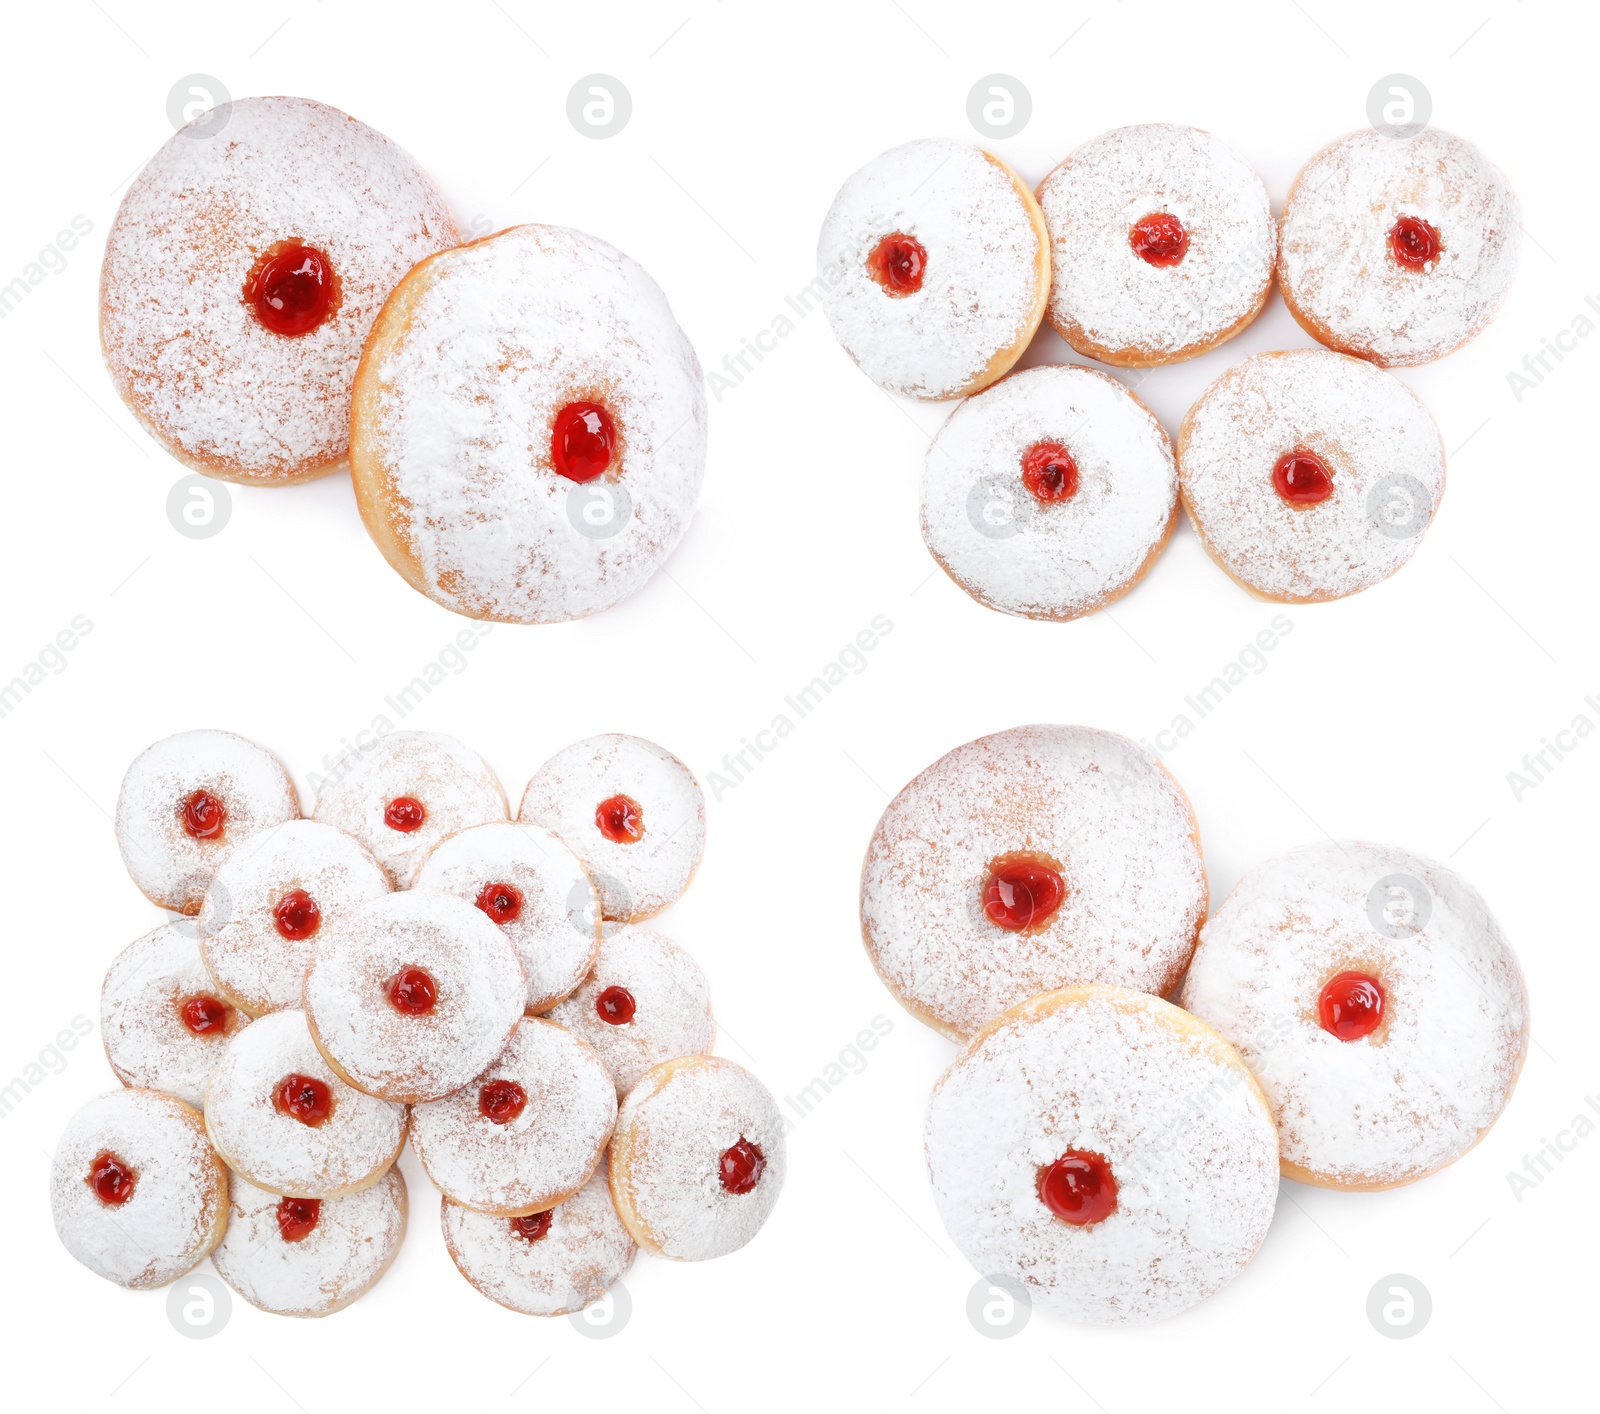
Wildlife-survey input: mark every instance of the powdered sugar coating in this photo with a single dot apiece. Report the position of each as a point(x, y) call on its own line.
point(1418, 1092)
point(1049, 560)
point(1119, 830)
point(1372, 432)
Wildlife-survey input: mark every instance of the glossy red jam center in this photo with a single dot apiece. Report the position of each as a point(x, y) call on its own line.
point(1413, 242)
point(502, 902)
point(741, 1166)
point(297, 915)
point(292, 289)
point(583, 441)
point(112, 1178)
point(620, 819)
point(297, 1217)
point(204, 1014)
point(898, 263)
point(203, 816)
point(1049, 472)
point(1079, 1188)
point(615, 1005)
point(404, 813)
point(413, 992)
point(1159, 239)
point(1351, 1006)
point(501, 1101)
point(1021, 893)
point(532, 1227)
point(305, 1098)
point(1302, 478)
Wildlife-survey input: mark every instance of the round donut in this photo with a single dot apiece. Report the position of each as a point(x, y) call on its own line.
point(162, 1022)
point(933, 266)
point(528, 1132)
point(1162, 244)
point(281, 1118)
point(137, 1194)
point(242, 273)
point(412, 995)
point(1374, 996)
point(1033, 859)
point(269, 903)
point(528, 433)
point(1104, 1151)
point(1309, 475)
point(1398, 250)
point(1050, 494)
point(645, 1002)
point(186, 802)
point(530, 884)
point(698, 1158)
point(406, 793)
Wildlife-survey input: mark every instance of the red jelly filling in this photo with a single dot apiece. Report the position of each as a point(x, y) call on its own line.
point(1302, 478)
point(620, 819)
point(532, 1227)
point(616, 1005)
point(741, 1166)
point(297, 915)
point(1159, 239)
point(203, 1014)
point(203, 816)
point(297, 1217)
point(1413, 242)
point(292, 289)
point(413, 992)
point(1021, 893)
point(1049, 472)
point(404, 813)
point(1351, 1006)
point(305, 1098)
point(112, 1178)
point(502, 902)
point(1079, 1188)
point(583, 441)
point(501, 1101)
point(898, 263)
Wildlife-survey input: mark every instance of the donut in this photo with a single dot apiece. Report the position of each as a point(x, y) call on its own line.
point(1309, 475)
point(530, 884)
point(528, 432)
point(1050, 494)
point(1398, 250)
point(242, 273)
point(186, 802)
point(1375, 998)
point(310, 1256)
point(137, 1194)
point(1161, 244)
point(162, 1022)
point(698, 1158)
point(528, 1132)
point(933, 267)
point(645, 1002)
point(406, 793)
point(631, 811)
point(413, 994)
point(268, 904)
point(1033, 859)
point(281, 1118)
point(1104, 1151)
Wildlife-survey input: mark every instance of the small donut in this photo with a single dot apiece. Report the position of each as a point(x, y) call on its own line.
point(528, 433)
point(281, 1118)
point(1398, 250)
point(310, 1256)
point(544, 1264)
point(530, 884)
point(1374, 996)
point(1106, 1152)
point(527, 1133)
point(187, 801)
point(406, 793)
point(268, 904)
point(698, 1158)
point(1050, 494)
point(412, 994)
point(137, 1193)
point(162, 1022)
point(242, 273)
point(1033, 859)
point(1309, 475)
point(934, 265)
point(631, 811)
point(1162, 243)
point(645, 1002)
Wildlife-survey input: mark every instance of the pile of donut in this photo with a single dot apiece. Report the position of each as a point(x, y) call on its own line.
point(411, 963)
point(285, 294)
point(1351, 1016)
point(1308, 474)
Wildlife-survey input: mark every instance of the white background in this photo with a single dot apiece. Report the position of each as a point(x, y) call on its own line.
point(1394, 715)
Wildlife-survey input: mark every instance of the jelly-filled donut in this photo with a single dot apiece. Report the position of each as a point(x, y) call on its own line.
point(268, 905)
point(280, 1117)
point(1033, 859)
point(1309, 475)
point(631, 811)
point(310, 1256)
point(242, 273)
point(187, 801)
point(698, 1158)
point(1375, 998)
point(934, 264)
point(162, 1021)
point(413, 994)
point(528, 1132)
point(528, 433)
point(1106, 1151)
point(1162, 243)
point(1050, 494)
point(1397, 249)
point(406, 793)
point(529, 883)
point(137, 1193)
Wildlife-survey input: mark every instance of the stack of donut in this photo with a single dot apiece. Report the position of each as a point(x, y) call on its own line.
point(411, 963)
